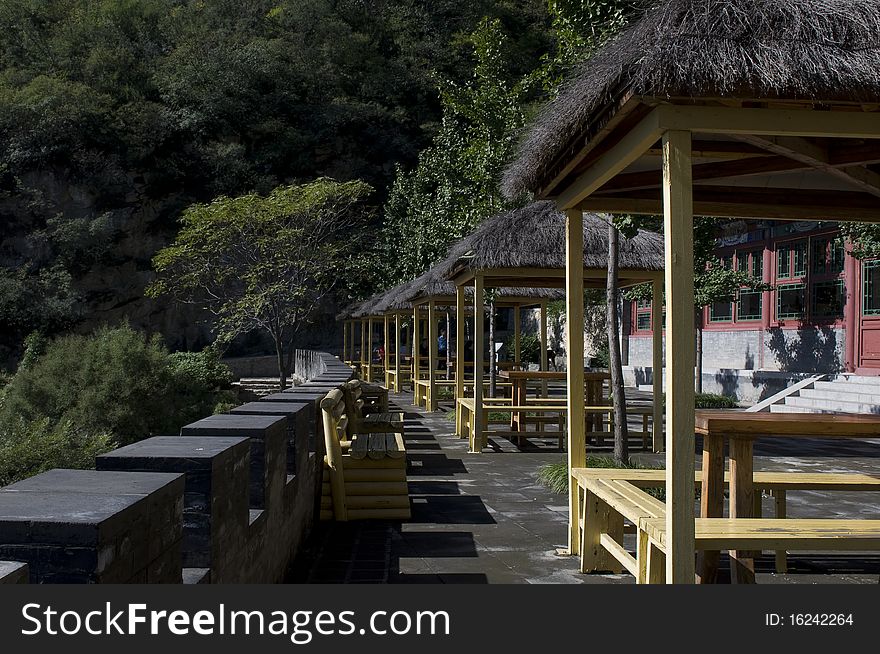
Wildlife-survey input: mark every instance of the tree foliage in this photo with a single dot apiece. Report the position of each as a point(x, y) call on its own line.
point(263, 262)
point(456, 182)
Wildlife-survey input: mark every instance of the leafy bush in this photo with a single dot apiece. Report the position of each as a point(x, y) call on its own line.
point(530, 348)
point(29, 448)
point(202, 368)
point(114, 381)
point(555, 475)
point(712, 401)
point(602, 358)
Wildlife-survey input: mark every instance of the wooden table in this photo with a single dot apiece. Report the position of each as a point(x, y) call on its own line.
point(519, 379)
point(741, 429)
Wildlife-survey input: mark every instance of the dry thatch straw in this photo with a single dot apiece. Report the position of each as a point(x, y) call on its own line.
point(534, 237)
point(817, 50)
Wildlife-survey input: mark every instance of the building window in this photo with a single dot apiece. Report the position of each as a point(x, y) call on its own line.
point(721, 312)
point(791, 260)
point(643, 316)
point(790, 300)
point(871, 277)
point(829, 299)
point(749, 306)
point(827, 256)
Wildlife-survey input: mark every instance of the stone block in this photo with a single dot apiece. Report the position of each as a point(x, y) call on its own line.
point(87, 526)
point(299, 422)
point(268, 436)
point(13, 572)
point(216, 494)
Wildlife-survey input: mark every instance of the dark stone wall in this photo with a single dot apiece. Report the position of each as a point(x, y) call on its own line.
point(231, 499)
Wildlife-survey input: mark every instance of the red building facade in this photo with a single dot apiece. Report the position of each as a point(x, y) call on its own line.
point(822, 316)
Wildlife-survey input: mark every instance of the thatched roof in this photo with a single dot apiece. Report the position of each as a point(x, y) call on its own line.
point(816, 50)
point(534, 237)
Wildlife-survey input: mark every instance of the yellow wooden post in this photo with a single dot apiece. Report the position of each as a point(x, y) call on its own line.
point(657, 361)
point(679, 237)
point(370, 350)
point(345, 340)
point(574, 352)
point(477, 426)
point(544, 345)
point(363, 348)
point(431, 401)
point(397, 352)
point(460, 319)
point(385, 344)
point(516, 336)
point(416, 340)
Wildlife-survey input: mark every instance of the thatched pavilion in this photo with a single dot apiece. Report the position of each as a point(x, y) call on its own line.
point(739, 108)
point(432, 292)
point(524, 247)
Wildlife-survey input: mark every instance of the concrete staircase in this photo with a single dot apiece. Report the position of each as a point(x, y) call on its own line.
point(836, 394)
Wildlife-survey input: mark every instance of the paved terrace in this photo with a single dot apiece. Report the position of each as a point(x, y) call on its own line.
point(486, 519)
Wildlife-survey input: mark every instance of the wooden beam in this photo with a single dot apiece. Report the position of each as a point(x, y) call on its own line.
point(477, 426)
point(397, 385)
point(432, 357)
point(816, 156)
point(516, 335)
point(363, 347)
point(750, 202)
point(657, 361)
point(386, 344)
point(679, 239)
point(416, 348)
point(770, 122)
point(717, 150)
point(574, 352)
point(629, 148)
point(460, 318)
point(543, 329)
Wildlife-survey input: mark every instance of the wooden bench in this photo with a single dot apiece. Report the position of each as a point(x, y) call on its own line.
point(811, 534)
point(608, 485)
point(364, 473)
point(465, 410)
point(366, 418)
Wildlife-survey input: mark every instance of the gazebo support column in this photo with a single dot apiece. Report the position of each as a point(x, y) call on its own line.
point(416, 346)
point(574, 351)
point(432, 357)
point(344, 340)
point(657, 361)
point(678, 221)
point(517, 337)
point(476, 444)
point(544, 345)
point(386, 345)
point(370, 349)
point(363, 348)
point(396, 352)
point(460, 319)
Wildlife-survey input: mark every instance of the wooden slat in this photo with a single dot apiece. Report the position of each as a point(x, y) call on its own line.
point(394, 446)
point(359, 446)
point(376, 448)
point(778, 534)
point(618, 552)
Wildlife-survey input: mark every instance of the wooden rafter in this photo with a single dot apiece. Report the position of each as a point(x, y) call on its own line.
point(817, 156)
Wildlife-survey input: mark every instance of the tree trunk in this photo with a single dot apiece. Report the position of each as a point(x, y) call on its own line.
point(621, 433)
point(698, 331)
point(282, 369)
point(492, 356)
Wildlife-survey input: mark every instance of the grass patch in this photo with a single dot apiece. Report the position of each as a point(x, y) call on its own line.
point(555, 475)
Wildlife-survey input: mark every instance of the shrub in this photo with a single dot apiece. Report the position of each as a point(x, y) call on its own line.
point(202, 369)
point(712, 401)
point(555, 475)
point(530, 348)
point(114, 381)
point(29, 448)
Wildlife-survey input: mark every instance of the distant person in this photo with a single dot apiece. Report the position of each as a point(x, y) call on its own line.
point(441, 349)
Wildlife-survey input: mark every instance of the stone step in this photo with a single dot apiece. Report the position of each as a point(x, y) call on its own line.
point(785, 408)
point(858, 379)
point(852, 387)
point(841, 393)
point(830, 406)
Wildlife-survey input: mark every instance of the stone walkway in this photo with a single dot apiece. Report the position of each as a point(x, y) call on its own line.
point(486, 519)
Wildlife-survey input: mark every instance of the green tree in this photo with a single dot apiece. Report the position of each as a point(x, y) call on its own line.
point(263, 262)
point(455, 184)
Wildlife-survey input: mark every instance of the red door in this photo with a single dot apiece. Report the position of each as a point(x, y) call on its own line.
point(869, 319)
